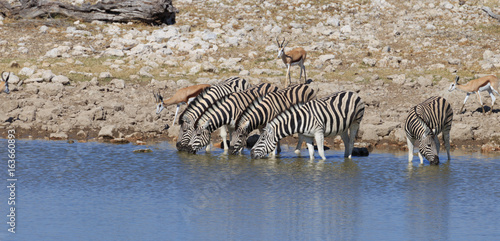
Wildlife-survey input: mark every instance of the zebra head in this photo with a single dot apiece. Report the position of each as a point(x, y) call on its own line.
point(159, 102)
point(239, 138)
point(185, 133)
point(4, 85)
point(428, 146)
point(454, 85)
point(264, 145)
point(201, 137)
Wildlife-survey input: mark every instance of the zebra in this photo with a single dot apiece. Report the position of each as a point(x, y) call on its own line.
point(424, 122)
point(337, 114)
point(224, 113)
point(196, 108)
point(264, 109)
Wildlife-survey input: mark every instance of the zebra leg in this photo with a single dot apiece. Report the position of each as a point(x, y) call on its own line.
point(353, 130)
point(299, 144)
point(410, 143)
point(436, 140)
point(320, 139)
point(421, 158)
point(446, 139)
point(208, 148)
point(223, 135)
point(345, 139)
point(310, 147)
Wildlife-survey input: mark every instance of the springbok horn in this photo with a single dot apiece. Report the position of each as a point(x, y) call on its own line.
point(283, 41)
point(456, 79)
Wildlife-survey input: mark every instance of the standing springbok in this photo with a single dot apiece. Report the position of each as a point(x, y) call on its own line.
point(487, 83)
point(4, 85)
point(296, 56)
point(182, 96)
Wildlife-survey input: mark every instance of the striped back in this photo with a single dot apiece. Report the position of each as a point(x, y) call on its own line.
point(196, 108)
point(332, 115)
point(224, 112)
point(425, 121)
point(264, 109)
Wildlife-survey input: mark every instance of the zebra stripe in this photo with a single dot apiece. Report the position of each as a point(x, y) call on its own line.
point(224, 113)
point(201, 103)
point(338, 114)
point(264, 109)
point(424, 122)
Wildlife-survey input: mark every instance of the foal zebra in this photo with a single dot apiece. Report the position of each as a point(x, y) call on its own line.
point(224, 113)
point(424, 122)
point(196, 108)
point(338, 114)
point(264, 109)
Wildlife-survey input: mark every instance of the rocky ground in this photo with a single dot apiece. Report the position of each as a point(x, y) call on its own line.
point(84, 81)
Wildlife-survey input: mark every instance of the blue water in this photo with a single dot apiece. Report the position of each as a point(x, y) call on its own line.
point(95, 191)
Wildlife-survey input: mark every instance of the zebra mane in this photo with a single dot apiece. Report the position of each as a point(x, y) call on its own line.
point(220, 86)
point(193, 103)
point(211, 106)
point(286, 113)
point(422, 121)
point(250, 107)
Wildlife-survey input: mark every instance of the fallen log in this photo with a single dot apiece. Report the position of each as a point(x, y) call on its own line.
point(149, 11)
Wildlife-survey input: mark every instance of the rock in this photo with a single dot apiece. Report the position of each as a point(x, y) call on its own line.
point(346, 29)
point(397, 78)
point(461, 131)
point(326, 57)
point(51, 89)
point(114, 52)
point(333, 21)
point(119, 141)
point(144, 71)
point(369, 61)
point(26, 71)
point(107, 132)
point(58, 136)
point(142, 151)
point(118, 83)
point(81, 134)
point(104, 75)
point(425, 81)
point(47, 75)
point(60, 79)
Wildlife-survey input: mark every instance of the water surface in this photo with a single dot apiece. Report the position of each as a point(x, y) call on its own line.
point(95, 191)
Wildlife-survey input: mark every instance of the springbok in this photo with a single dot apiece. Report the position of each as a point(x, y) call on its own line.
point(296, 56)
point(182, 96)
point(487, 83)
point(4, 85)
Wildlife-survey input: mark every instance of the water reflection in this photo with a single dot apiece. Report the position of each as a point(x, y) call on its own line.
point(212, 196)
point(428, 208)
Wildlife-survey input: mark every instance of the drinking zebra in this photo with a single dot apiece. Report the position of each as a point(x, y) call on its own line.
point(338, 114)
point(223, 113)
point(264, 109)
point(196, 108)
point(424, 122)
